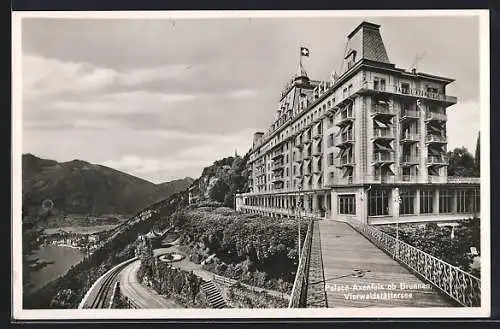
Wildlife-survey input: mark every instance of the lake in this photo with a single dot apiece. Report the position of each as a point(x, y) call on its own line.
point(63, 258)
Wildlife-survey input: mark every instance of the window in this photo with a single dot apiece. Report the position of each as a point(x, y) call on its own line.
point(445, 201)
point(347, 204)
point(379, 84)
point(468, 201)
point(378, 203)
point(330, 140)
point(286, 172)
point(476, 200)
point(407, 202)
point(426, 201)
point(330, 159)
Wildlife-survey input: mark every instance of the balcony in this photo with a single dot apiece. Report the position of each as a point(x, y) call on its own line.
point(463, 180)
point(383, 134)
point(371, 87)
point(409, 178)
point(317, 151)
point(277, 165)
point(317, 134)
point(346, 138)
point(410, 137)
point(386, 157)
point(436, 179)
point(408, 160)
point(435, 139)
point(306, 156)
point(379, 109)
point(344, 161)
point(277, 154)
point(317, 170)
point(346, 117)
point(298, 159)
point(410, 115)
point(433, 116)
point(277, 178)
point(437, 160)
point(306, 139)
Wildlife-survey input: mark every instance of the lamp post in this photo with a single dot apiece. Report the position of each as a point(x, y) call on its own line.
point(397, 201)
point(299, 205)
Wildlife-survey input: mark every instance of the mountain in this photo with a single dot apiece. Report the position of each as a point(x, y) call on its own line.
point(79, 187)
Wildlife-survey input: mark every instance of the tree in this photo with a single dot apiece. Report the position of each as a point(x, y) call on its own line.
point(477, 156)
point(219, 190)
point(461, 163)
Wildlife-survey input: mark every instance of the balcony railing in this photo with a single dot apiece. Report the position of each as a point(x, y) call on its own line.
point(378, 109)
point(461, 286)
point(436, 179)
point(435, 116)
point(317, 151)
point(317, 170)
point(383, 133)
point(417, 93)
point(410, 114)
point(344, 161)
point(317, 134)
point(306, 156)
point(345, 116)
point(463, 180)
point(410, 159)
point(410, 137)
point(437, 160)
point(306, 139)
point(277, 165)
point(276, 154)
point(383, 157)
point(346, 138)
point(435, 139)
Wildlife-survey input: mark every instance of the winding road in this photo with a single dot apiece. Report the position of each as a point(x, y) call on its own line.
point(142, 296)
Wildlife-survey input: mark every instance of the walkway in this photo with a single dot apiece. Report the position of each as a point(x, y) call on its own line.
point(141, 295)
point(359, 274)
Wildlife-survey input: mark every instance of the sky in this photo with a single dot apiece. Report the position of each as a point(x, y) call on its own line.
point(163, 98)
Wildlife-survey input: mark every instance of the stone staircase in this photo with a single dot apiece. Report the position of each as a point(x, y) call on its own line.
point(213, 294)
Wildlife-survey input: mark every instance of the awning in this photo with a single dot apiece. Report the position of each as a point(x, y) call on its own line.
point(434, 151)
point(380, 124)
point(341, 153)
point(341, 130)
point(382, 147)
point(434, 128)
point(433, 171)
point(347, 172)
point(389, 169)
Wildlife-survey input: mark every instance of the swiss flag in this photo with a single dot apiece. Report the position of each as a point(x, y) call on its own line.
point(304, 52)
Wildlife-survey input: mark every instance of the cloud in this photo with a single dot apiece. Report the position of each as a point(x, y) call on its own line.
point(52, 77)
point(244, 93)
point(188, 160)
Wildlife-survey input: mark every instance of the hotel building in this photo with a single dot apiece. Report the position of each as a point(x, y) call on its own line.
point(369, 144)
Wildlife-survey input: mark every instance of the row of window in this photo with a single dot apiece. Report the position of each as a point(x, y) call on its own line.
point(467, 201)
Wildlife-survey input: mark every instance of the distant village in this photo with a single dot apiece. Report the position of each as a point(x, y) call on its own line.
point(84, 242)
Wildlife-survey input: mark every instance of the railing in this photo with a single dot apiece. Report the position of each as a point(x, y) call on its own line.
point(461, 286)
point(383, 133)
point(414, 114)
point(464, 180)
point(435, 138)
point(383, 157)
point(346, 138)
point(410, 137)
point(299, 290)
point(381, 109)
point(420, 93)
point(435, 116)
point(344, 161)
point(437, 160)
point(410, 159)
point(277, 165)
